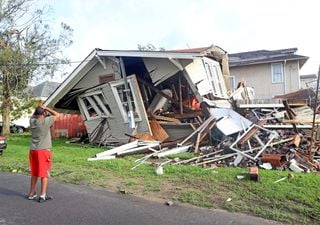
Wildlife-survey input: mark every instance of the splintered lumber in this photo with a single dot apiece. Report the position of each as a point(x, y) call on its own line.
point(187, 115)
point(107, 157)
point(165, 118)
point(296, 140)
point(158, 132)
point(291, 114)
point(251, 132)
point(117, 149)
point(303, 121)
point(145, 147)
point(173, 151)
point(201, 136)
point(198, 157)
point(200, 128)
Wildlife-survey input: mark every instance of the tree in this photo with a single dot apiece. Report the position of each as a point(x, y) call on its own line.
point(28, 51)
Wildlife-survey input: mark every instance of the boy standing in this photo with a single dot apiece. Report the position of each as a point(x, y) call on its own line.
point(40, 150)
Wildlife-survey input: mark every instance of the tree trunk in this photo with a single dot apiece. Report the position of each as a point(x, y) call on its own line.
point(6, 106)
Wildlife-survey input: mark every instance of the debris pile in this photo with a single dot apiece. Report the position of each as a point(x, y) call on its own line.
point(279, 135)
point(162, 103)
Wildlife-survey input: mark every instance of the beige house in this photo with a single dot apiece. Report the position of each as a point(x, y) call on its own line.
point(308, 81)
point(270, 73)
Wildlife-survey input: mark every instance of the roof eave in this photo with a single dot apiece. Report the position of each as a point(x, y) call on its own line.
point(63, 88)
point(302, 61)
point(149, 54)
point(90, 60)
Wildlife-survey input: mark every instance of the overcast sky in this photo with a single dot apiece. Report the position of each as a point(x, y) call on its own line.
point(234, 25)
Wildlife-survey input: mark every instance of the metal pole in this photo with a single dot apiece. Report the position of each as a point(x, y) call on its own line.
point(314, 117)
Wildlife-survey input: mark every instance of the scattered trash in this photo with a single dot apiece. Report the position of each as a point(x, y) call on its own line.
point(266, 166)
point(240, 177)
point(169, 203)
point(290, 176)
point(229, 200)
point(159, 170)
point(254, 173)
point(123, 191)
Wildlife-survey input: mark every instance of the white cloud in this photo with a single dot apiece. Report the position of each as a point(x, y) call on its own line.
point(231, 24)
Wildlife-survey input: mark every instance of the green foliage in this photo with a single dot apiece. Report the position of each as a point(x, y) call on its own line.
point(295, 200)
point(28, 51)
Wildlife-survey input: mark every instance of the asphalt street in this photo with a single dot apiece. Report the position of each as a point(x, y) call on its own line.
point(77, 205)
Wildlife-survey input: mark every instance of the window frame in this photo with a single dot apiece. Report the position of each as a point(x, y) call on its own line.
point(124, 113)
point(273, 78)
point(232, 83)
point(95, 102)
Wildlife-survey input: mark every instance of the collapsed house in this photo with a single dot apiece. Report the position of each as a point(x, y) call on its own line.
point(123, 93)
point(166, 102)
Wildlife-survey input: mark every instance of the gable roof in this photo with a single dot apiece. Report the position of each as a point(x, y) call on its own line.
point(95, 56)
point(308, 76)
point(265, 56)
point(45, 89)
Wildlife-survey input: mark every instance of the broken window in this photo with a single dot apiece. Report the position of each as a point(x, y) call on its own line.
point(94, 105)
point(215, 78)
point(277, 73)
point(120, 93)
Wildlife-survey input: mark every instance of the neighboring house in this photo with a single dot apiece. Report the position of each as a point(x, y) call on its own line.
point(309, 80)
point(270, 73)
point(118, 91)
point(41, 91)
point(44, 89)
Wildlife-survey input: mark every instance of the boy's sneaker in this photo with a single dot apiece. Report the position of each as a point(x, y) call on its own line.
point(44, 198)
point(32, 197)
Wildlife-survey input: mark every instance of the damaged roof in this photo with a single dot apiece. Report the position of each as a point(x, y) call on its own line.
point(265, 56)
point(95, 56)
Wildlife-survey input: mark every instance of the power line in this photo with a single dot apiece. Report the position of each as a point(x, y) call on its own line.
point(41, 64)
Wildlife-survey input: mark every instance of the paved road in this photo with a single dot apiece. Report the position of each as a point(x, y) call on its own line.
point(77, 205)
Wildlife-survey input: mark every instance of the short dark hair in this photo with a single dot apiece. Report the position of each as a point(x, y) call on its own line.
point(39, 111)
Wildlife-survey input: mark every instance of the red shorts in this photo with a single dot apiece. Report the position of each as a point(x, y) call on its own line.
point(40, 163)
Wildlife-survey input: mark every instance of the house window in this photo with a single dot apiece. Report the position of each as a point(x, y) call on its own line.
point(232, 82)
point(94, 105)
point(277, 73)
point(120, 94)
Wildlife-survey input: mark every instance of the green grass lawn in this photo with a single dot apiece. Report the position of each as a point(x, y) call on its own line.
point(295, 201)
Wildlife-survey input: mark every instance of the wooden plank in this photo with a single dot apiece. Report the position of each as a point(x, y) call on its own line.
point(180, 96)
point(165, 118)
point(186, 115)
point(139, 149)
point(158, 132)
point(290, 113)
point(251, 132)
point(200, 128)
point(173, 151)
point(117, 149)
point(142, 136)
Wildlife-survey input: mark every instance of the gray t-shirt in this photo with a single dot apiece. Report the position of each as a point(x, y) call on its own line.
point(40, 132)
